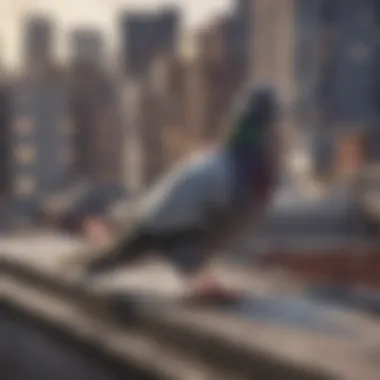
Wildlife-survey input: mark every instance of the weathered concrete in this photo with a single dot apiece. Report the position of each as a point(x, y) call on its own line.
point(44, 355)
point(131, 349)
point(190, 342)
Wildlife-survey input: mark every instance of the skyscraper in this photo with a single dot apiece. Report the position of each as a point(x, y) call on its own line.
point(373, 146)
point(98, 126)
point(239, 32)
point(38, 41)
point(272, 51)
point(146, 35)
point(148, 129)
point(40, 139)
point(169, 75)
point(320, 56)
point(218, 71)
point(87, 46)
point(4, 138)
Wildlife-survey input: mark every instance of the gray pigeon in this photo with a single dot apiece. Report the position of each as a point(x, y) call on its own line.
point(205, 202)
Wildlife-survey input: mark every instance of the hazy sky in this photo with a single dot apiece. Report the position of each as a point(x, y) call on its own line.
point(102, 13)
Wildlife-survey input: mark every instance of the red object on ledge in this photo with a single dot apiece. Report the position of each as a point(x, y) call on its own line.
point(348, 266)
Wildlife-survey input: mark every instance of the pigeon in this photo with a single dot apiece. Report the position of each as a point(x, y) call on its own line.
point(208, 200)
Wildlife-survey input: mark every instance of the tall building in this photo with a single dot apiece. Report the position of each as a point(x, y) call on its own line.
point(87, 46)
point(218, 71)
point(238, 34)
point(38, 41)
point(205, 94)
point(41, 154)
point(149, 119)
point(146, 35)
point(156, 134)
point(327, 65)
point(4, 138)
point(169, 76)
point(347, 34)
point(133, 155)
point(273, 34)
point(373, 149)
point(98, 127)
point(320, 55)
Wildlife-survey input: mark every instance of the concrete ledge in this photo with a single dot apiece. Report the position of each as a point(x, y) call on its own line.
point(123, 347)
point(250, 361)
point(179, 343)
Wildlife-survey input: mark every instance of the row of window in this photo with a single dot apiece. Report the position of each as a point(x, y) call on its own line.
point(25, 186)
point(26, 154)
point(25, 126)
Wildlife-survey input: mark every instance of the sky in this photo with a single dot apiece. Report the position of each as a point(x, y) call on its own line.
point(100, 13)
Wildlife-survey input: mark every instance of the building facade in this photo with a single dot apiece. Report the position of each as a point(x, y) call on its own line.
point(272, 45)
point(98, 124)
point(133, 155)
point(320, 55)
point(146, 35)
point(169, 75)
point(5, 113)
point(38, 42)
point(41, 154)
point(149, 129)
point(87, 46)
point(217, 73)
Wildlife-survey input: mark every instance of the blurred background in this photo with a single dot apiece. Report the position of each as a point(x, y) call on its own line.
point(99, 98)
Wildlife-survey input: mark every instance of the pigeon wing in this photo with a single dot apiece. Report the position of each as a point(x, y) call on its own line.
point(186, 199)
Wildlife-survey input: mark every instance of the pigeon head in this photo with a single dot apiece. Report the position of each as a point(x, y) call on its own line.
point(253, 118)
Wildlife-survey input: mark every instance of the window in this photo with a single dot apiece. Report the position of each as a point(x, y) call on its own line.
point(25, 154)
point(25, 98)
point(67, 126)
point(329, 12)
point(25, 186)
point(107, 173)
point(24, 125)
point(67, 155)
point(359, 52)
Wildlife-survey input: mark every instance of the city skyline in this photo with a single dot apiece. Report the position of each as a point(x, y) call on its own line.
point(101, 14)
